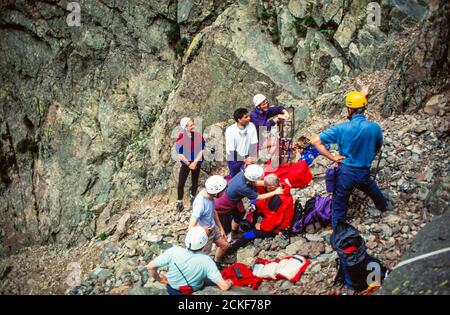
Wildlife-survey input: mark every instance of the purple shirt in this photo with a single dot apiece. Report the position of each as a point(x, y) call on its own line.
point(260, 118)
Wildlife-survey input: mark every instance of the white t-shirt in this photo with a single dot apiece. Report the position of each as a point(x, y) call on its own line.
point(239, 140)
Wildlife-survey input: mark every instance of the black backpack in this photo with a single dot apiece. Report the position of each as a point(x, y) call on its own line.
point(357, 269)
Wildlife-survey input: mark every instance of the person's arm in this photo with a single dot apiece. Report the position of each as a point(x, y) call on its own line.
point(278, 191)
point(192, 223)
point(284, 115)
point(317, 143)
point(230, 148)
point(259, 183)
point(183, 158)
point(379, 142)
point(259, 121)
point(153, 271)
point(224, 285)
point(194, 163)
point(202, 152)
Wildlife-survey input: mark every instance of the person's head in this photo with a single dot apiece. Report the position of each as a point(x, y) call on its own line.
point(271, 182)
point(241, 116)
point(196, 238)
point(355, 102)
point(261, 102)
point(215, 185)
point(187, 124)
point(253, 173)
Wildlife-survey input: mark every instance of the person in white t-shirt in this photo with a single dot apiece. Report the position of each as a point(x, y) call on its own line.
point(241, 140)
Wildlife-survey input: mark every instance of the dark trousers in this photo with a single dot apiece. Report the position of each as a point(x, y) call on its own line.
point(348, 178)
point(227, 218)
point(248, 237)
point(182, 177)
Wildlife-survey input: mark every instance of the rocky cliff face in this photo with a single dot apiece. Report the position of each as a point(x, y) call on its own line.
point(88, 112)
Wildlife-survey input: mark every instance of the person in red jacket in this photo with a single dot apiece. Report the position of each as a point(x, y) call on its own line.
point(277, 213)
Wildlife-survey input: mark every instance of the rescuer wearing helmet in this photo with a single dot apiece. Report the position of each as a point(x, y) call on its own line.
point(230, 206)
point(204, 215)
point(264, 117)
point(358, 142)
point(189, 269)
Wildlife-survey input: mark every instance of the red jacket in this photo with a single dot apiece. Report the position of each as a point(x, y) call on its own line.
point(277, 211)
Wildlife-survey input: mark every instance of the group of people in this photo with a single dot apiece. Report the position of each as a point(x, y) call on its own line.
point(218, 209)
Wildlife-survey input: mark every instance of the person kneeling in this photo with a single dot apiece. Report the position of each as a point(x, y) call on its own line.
point(277, 213)
point(189, 269)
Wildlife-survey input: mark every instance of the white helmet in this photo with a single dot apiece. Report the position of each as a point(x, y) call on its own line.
point(184, 121)
point(253, 172)
point(258, 99)
point(215, 184)
point(196, 238)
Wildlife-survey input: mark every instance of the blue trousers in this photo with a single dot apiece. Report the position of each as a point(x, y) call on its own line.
point(234, 167)
point(348, 178)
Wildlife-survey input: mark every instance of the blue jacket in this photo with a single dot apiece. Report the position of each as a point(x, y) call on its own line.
point(358, 140)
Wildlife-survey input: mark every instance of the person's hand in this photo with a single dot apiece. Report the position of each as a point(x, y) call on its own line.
point(248, 161)
point(223, 234)
point(278, 191)
point(338, 158)
point(276, 119)
point(258, 226)
point(207, 229)
point(163, 279)
point(193, 165)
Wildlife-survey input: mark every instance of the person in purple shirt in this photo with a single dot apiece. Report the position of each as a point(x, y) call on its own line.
point(264, 117)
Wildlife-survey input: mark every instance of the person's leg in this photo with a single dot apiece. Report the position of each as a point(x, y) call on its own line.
point(368, 186)
point(344, 187)
point(207, 248)
point(246, 238)
point(195, 176)
point(225, 220)
point(222, 246)
point(182, 177)
point(237, 215)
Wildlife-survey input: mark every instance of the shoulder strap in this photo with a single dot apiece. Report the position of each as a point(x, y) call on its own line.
point(182, 274)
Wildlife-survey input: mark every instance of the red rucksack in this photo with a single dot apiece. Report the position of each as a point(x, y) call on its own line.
point(241, 275)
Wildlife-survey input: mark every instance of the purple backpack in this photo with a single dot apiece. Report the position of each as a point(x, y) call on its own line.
point(317, 209)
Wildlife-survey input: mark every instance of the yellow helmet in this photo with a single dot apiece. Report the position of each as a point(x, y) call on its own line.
point(355, 99)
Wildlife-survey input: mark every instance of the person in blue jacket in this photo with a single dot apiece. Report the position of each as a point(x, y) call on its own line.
point(264, 117)
point(358, 140)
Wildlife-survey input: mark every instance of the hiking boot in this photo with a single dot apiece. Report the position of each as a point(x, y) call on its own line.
point(179, 205)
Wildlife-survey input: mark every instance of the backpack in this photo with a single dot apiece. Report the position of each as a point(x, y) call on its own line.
point(241, 275)
point(317, 209)
point(356, 269)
